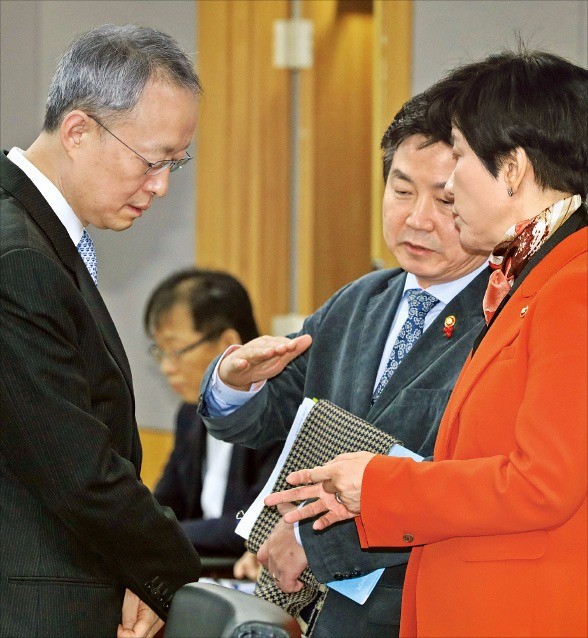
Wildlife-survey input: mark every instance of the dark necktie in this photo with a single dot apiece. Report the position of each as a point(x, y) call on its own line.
point(419, 304)
point(88, 254)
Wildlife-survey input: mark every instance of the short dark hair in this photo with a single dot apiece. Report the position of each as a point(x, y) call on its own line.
point(428, 114)
point(533, 100)
point(412, 119)
point(105, 71)
point(217, 301)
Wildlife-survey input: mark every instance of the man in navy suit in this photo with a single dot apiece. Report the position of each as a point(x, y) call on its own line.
point(347, 350)
point(85, 549)
point(193, 316)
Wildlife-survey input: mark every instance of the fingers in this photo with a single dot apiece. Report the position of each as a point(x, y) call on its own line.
point(329, 518)
point(263, 553)
point(289, 585)
point(129, 610)
point(300, 477)
point(284, 508)
point(295, 494)
point(143, 628)
point(246, 567)
point(265, 348)
point(307, 511)
point(260, 359)
point(320, 474)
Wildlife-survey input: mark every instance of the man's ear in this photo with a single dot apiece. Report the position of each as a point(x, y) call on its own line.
point(72, 130)
point(514, 169)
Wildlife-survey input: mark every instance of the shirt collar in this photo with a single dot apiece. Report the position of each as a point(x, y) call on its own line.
point(51, 193)
point(447, 291)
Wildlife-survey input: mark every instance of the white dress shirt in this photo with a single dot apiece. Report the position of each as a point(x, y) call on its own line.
point(51, 193)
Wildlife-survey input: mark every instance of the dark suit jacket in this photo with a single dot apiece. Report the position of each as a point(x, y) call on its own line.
point(77, 526)
point(180, 486)
point(349, 333)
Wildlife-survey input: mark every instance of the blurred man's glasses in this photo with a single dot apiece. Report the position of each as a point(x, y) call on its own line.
point(153, 168)
point(175, 355)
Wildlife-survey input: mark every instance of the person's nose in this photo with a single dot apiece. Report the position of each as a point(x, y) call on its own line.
point(449, 188)
point(158, 184)
point(420, 216)
point(167, 365)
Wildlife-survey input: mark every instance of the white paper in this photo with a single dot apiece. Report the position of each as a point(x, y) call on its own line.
point(248, 520)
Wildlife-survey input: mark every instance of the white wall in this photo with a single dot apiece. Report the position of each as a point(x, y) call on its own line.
point(450, 32)
point(33, 35)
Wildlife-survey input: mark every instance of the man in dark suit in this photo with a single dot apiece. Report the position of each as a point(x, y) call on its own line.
point(193, 316)
point(371, 356)
point(81, 537)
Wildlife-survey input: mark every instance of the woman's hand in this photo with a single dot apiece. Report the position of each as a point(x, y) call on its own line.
point(336, 485)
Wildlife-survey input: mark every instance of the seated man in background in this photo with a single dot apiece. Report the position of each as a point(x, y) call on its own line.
point(193, 316)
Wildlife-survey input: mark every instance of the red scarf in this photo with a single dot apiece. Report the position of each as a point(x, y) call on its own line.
point(519, 244)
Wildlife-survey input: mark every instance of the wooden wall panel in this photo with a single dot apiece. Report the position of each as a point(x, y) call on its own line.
point(243, 151)
point(341, 103)
point(392, 67)
point(157, 446)
point(360, 77)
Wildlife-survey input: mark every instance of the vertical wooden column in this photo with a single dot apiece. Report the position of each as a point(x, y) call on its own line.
point(360, 77)
point(243, 150)
point(336, 129)
point(392, 70)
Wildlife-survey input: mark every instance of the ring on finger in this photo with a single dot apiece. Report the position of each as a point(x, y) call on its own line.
point(275, 578)
point(338, 498)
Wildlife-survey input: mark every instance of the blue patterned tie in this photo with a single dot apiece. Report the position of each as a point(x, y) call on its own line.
point(88, 254)
point(419, 304)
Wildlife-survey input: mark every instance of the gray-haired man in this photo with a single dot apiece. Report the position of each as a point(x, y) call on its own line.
point(78, 527)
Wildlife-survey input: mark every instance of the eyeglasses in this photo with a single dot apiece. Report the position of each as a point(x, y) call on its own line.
point(153, 167)
point(175, 355)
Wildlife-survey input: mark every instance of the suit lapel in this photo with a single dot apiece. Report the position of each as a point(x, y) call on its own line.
point(193, 459)
point(372, 339)
point(433, 344)
point(22, 189)
point(503, 332)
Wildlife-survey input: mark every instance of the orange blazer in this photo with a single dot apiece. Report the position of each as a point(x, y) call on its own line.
point(500, 516)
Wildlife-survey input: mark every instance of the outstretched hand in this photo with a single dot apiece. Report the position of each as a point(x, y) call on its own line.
point(336, 486)
point(260, 359)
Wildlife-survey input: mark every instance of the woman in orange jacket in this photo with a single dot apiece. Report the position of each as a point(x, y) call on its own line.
point(498, 520)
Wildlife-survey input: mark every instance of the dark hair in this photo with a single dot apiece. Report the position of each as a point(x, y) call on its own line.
point(412, 119)
point(104, 71)
point(532, 100)
point(217, 301)
point(428, 114)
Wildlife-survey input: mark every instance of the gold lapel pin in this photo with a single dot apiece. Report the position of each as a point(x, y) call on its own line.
point(449, 325)
point(524, 311)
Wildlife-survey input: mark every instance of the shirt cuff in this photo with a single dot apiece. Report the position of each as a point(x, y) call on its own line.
point(222, 400)
point(297, 533)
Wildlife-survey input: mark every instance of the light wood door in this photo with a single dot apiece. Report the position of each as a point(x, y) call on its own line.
point(360, 77)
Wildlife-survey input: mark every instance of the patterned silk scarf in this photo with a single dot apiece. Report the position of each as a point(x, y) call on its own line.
point(520, 243)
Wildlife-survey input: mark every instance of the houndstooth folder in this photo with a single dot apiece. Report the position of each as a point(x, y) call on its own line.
point(327, 431)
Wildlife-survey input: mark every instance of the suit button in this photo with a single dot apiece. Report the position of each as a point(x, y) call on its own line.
point(338, 576)
point(408, 538)
point(354, 574)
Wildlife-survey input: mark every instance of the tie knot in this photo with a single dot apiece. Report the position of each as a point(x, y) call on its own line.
point(420, 301)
